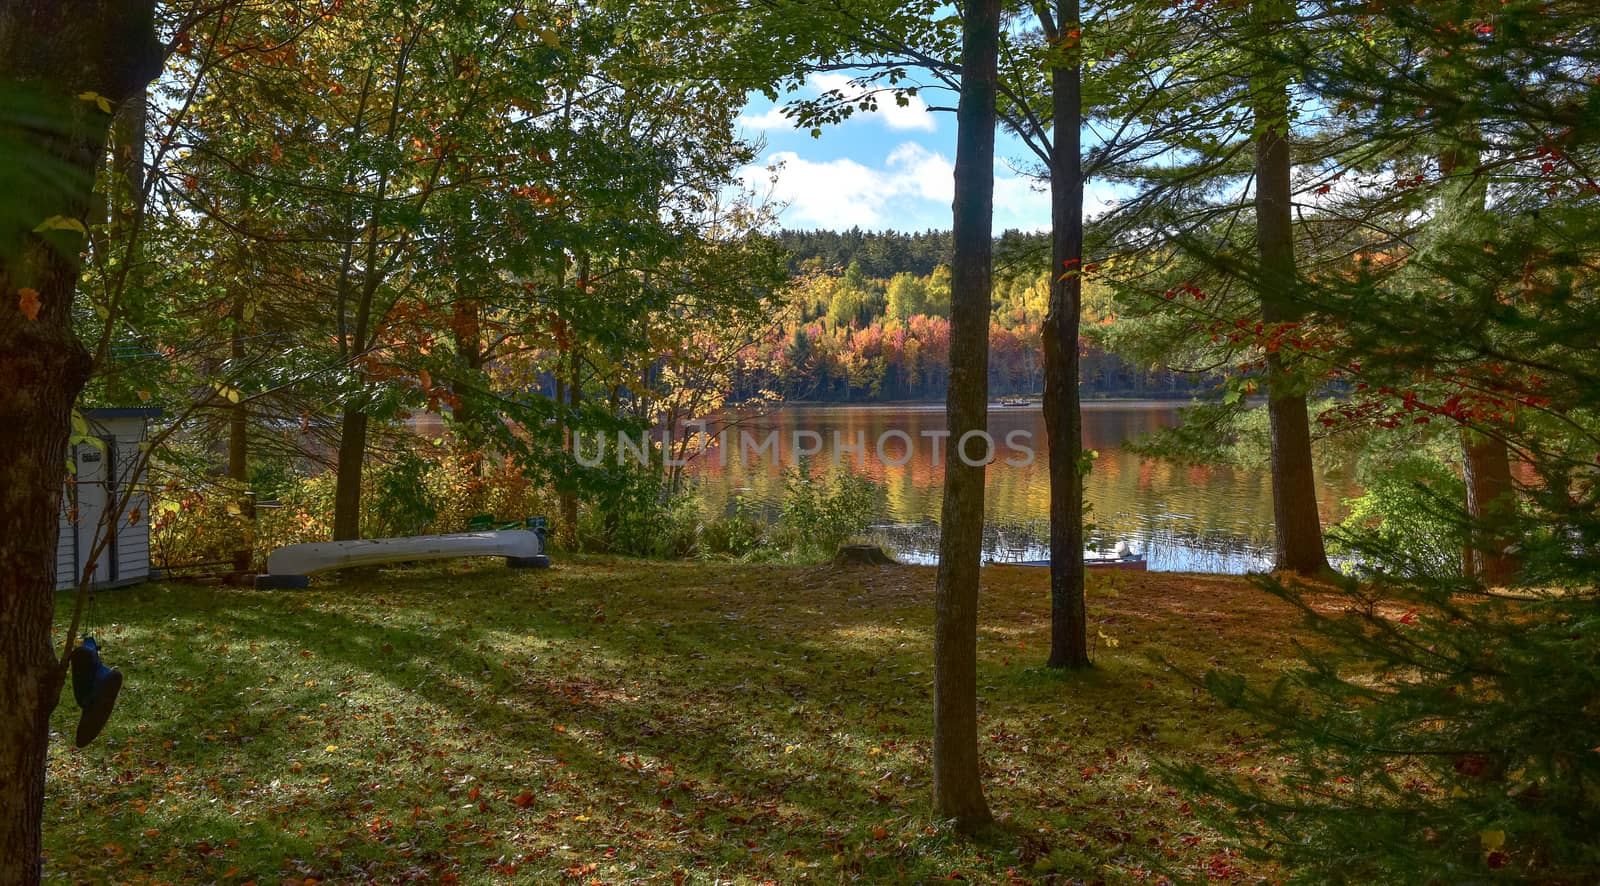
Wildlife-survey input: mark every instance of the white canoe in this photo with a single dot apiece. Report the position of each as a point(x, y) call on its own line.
point(305, 559)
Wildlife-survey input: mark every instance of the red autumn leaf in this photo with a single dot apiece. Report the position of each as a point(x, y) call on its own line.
point(28, 302)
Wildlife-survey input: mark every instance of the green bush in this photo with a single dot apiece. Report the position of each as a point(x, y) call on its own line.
point(1412, 511)
point(639, 516)
point(1435, 730)
point(400, 501)
point(817, 517)
point(735, 535)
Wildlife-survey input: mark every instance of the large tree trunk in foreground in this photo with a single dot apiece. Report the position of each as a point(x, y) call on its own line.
point(52, 51)
point(1294, 488)
point(957, 789)
point(1063, 421)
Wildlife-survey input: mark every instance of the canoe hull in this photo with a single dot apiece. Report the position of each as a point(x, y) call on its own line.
point(313, 557)
point(1129, 564)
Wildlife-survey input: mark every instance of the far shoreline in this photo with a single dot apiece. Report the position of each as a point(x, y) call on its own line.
point(994, 403)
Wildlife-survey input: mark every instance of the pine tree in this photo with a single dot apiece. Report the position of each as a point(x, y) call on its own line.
point(1440, 729)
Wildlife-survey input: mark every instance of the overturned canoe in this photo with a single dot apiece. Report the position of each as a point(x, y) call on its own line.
point(1132, 563)
point(289, 566)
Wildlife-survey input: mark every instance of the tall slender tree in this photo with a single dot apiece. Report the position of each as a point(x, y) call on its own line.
point(957, 786)
point(1485, 457)
point(1294, 489)
point(1069, 646)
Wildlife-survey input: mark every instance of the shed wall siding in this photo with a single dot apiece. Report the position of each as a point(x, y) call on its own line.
point(66, 561)
point(133, 539)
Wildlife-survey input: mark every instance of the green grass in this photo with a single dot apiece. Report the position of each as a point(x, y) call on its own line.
point(621, 721)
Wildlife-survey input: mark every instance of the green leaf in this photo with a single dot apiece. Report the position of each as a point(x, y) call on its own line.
point(100, 101)
point(61, 223)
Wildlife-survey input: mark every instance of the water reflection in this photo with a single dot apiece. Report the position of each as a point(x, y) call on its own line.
point(1193, 519)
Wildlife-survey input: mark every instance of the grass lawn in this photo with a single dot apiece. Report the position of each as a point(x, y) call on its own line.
point(615, 721)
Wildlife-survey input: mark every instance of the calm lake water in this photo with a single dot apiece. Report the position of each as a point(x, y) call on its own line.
point(1184, 519)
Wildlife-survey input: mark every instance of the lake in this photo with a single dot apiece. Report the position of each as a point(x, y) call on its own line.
point(1214, 519)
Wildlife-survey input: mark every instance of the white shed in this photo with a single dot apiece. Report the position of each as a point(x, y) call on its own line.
point(105, 474)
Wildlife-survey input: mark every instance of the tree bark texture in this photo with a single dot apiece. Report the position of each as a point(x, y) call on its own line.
point(51, 52)
point(957, 787)
point(1063, 420)
point(347, 477)
point(1492, 505)
point(1294, 490)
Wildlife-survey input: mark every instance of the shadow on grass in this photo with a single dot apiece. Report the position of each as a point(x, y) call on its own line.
point(643, 718)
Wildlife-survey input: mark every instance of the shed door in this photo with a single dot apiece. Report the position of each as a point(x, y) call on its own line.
point(94, 488)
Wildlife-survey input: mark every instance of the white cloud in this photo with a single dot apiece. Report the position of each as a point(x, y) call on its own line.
point(835, 194)
point(927, 174)
point(1018, 198)
point(771, 118)
point(911, 190)
point(912, 116)
point(1024, 203)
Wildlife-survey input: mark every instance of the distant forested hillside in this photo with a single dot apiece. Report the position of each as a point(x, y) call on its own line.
point(880, 254)
point(869, 321)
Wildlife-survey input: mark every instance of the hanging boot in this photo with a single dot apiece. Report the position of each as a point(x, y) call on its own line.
point(96, 687)
point(86, 667)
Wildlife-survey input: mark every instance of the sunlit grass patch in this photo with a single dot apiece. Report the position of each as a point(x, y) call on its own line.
point(616, 721)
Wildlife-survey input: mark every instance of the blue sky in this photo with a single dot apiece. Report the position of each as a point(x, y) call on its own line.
point(891, 168)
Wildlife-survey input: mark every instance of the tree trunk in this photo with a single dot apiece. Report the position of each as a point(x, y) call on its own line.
point(467, 330)
point(1063, 421)
point(1492, 504)
point(1485, 458)
point(957, 787)
point(569, 499)
point(57, 51)
point(347, 481)
point(1294, 489)
point(46, 367)
point(239, 448)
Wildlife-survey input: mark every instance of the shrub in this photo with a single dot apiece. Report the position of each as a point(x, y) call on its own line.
point(400, 501)
point(1438, 731)
point(736, 535)
point(817, 517)
point(639, 516)
point(438, 491)
point(1413, 511)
